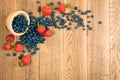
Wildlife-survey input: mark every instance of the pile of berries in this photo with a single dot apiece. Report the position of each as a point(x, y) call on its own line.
point(20, 24)
point(39, 28)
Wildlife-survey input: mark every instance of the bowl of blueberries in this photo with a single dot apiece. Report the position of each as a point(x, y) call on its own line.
point(18, 23)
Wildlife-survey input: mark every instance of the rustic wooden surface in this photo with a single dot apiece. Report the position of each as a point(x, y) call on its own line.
point(68, 55)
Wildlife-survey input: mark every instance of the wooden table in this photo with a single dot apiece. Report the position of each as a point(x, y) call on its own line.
point(68, 55)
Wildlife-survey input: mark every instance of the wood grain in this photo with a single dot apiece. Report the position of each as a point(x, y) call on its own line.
point(98, 41)
point(114, 40)
point(51, 54)
point(68, 55)
point(75, 49)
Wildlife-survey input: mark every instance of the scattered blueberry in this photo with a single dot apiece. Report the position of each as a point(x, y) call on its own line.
point(59, 2)
point(14, 54)
point(75, 8)
point(52, 3)
point(30, 13)
point(92, 16)
point(68, 28)
point(79, 10)
point(88, 21)
point(39, 8)
point(100, 22)
point(56, 8)
point(88, 17)
point(8, 54)
point(38, 1)
point(20, 56)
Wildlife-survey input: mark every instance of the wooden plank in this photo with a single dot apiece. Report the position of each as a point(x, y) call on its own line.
point(7, 63)
point(98, 41)
point(51, 54)
point(114, 40)
point(75, 49)
point(9, 66)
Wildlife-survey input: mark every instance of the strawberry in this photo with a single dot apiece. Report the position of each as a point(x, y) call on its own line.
point(10, 38)
point(46, 10)
point(48, 33)
point(7, 46)
point(62, 7)
point(19, 48)
point(41, 29)
point(26, 60)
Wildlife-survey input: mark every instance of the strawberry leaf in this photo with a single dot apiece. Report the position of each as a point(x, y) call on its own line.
point(20, 64)
point(53, 32)
point(40, 25)
point(48, 5)
point(67, 5)
point(8, 41)
point(13, 46)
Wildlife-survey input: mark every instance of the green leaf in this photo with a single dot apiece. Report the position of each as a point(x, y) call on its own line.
point(53, 32)
point(13, 46)
point(7, 41)
point(48, 5)
point(67, 5)
point(20, 64)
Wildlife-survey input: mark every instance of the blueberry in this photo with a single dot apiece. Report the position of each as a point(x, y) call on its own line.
point(56, 8)
point(88, 17)
point(14, 54)
point(59, 2)
point(70, 23)
point(30, 13)
point(39, 8)
point(8, 54)
point(88, 22)
point(90, 28)
point(75, 8)
point(52, 3)
point(68, 28)
point(38, 1)
point(99, 22)
point(76, 27)
point(92, 16)
point(20, 56)
point(84, 28)
point(79, 10)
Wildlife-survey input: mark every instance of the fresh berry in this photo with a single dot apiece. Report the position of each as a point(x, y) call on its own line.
point(14, 54)
point(7, 46)
point(8, 54)
point(47, 10)
point(61, 7)
point(41, 29)
point(10, 38)
point(48, 33)
point(18, 48)
point(26, 60)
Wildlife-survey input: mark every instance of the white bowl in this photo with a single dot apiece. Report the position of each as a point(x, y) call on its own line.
point(10, 20)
